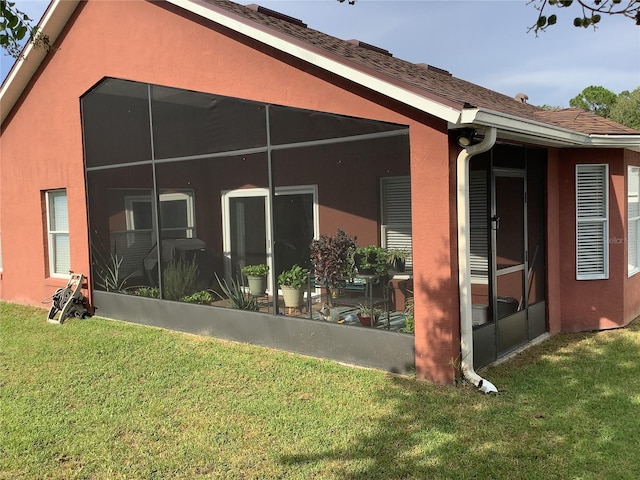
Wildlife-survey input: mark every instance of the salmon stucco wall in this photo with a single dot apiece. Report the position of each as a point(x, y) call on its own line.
point(554, 243)
point(434, 250)
point(150, 42)
point(592, 304)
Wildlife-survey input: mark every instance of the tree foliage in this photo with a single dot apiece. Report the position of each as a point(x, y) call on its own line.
point(589, 14)
point(626, 110)
point(598, 100)
point(15, 26)
point(623, 108)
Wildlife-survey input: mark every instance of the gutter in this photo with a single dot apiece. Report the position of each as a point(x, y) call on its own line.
point(526, 130)
point(464, 253)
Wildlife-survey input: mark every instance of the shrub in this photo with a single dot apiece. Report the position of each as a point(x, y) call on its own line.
point(180, 279)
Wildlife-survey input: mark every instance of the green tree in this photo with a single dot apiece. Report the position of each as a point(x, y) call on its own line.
point(596, 99)
point(15, 26)
point(589, 12)
point(626, 110)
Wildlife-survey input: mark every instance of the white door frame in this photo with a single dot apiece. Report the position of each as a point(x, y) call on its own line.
point(226, 195)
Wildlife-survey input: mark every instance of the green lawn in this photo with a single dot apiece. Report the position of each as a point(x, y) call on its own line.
point(99, 399)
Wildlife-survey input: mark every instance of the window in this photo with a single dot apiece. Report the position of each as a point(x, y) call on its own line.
point(633, 224)
point(58, 233)
point(592, 222)
point(396, 214)
point(176, 215)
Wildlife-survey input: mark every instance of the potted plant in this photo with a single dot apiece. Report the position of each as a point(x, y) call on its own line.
point(368, 316)
point(256, 278)
point(371, 260)
point(292, 282)
point(233, 292)
point(332, 259)
point(396, 259)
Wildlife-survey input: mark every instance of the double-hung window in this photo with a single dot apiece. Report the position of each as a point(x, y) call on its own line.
point(592, 221)
point(58, 233)
point(633, 219)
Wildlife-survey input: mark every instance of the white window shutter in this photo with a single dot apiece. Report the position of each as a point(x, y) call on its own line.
point(396, 214)
point(592, 222)
point(478, 228)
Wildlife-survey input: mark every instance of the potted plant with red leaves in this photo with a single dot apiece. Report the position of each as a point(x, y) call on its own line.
point(332, 259)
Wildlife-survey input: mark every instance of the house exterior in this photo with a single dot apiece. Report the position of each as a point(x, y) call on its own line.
point(234, 135)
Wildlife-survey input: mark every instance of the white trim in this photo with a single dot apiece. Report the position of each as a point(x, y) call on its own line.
point(129, 201)
point(597, 221)
point(633, 221)
point(53, 234)
point(226, 195)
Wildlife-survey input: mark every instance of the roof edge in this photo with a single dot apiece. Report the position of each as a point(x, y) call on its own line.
point(320, 59)
point(53, 21)
point(524, 129)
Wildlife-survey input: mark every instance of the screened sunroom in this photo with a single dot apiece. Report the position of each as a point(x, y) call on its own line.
point(185, 189)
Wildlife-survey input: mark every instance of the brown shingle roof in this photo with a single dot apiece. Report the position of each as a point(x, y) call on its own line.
point(432, 81)
point(583, 121)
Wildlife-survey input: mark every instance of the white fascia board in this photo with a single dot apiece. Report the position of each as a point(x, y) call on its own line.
point(632, 141)
point(532, 130)
point(355, 75)
point(529, 128)
point(52, 23)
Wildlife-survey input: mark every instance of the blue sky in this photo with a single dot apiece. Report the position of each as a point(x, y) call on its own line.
point(481, 41)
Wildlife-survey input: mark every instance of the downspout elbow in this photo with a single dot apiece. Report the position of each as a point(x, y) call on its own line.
point(464, 253)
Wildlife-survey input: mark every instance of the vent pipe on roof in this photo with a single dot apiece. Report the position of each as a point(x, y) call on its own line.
point(464, 268)
point(278, 15)
point(431, 68)
point(368, 46)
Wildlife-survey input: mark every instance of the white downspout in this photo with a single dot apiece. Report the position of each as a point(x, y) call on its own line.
point(464, 253)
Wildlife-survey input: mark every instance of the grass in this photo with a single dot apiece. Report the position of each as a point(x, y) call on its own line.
point(99, 399)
